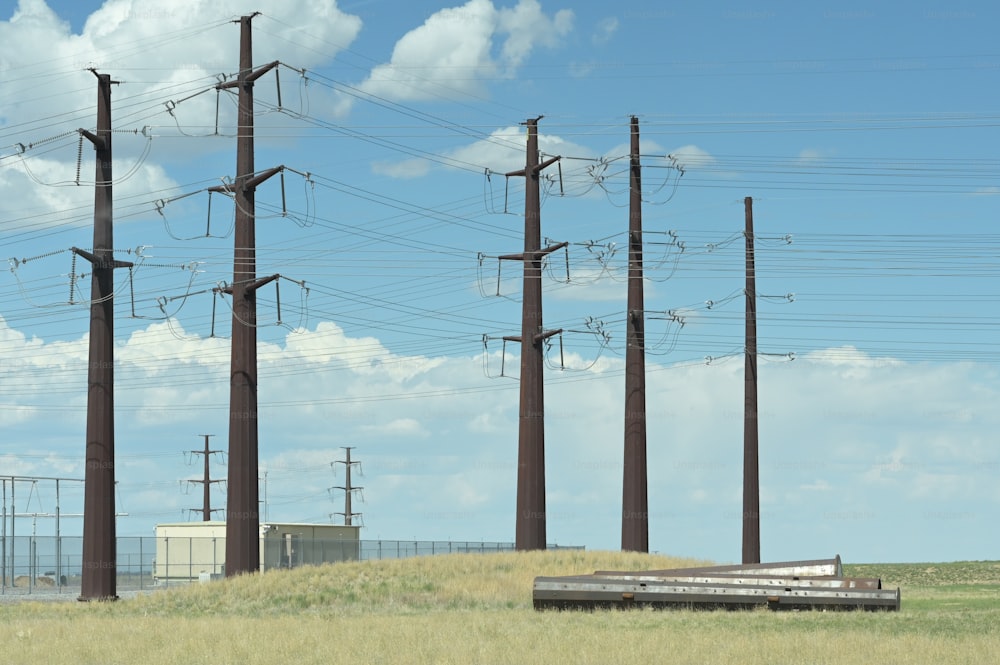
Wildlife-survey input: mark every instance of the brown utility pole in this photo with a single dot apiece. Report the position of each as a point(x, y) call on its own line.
point(99, 573)
point(242, 509)
point(348, 488)
point(635, 505)
point(530, 522)
point(751, 479)
point(206, 482)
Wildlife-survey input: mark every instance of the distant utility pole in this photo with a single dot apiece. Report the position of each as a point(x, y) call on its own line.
point(751, 479)
point(348, 488)
point(206, 483)
point(99, 575)
point(243, 510)
point(530, 523)
point(635, 505)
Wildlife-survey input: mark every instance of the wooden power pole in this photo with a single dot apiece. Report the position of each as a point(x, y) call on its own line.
point(242, 509)
point(529, 533)
point(635, 506)
point(751, 478)
point(99, 573)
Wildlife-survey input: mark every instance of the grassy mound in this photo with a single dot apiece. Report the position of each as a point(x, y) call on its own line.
point(472, 608)
point(399, 586)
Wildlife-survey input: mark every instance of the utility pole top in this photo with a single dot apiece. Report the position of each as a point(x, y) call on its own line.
point(247, 18)
point(93, 71)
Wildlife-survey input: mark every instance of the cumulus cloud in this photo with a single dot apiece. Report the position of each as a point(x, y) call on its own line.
point(453, 52)
point(162, 55)
point(605, 30)
point(403, 170)
point(872, 437)
point(503, 151)
point(691, 157)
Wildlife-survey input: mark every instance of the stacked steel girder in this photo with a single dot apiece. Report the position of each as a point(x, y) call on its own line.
point(790, 585)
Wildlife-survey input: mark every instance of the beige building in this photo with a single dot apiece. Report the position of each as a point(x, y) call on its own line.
point(189, 551)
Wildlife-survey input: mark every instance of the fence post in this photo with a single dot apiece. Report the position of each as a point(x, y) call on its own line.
point(31, 563)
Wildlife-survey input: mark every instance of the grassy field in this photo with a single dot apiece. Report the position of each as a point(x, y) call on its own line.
point(475, 608)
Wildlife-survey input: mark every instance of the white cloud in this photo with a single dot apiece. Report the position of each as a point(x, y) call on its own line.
point(811, 156)
point(691, 157)
point(397, 428)
point(403, 170)
point(526, 26)
point(126, 39)
point(452, 53)
point(605, 30)
point(582, 69)
point(504, 150)
point(875, 435)
point(647, 146)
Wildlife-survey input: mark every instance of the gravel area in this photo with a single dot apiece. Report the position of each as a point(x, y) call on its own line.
point(55, 595)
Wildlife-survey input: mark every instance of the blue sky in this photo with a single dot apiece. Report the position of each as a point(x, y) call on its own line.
point(866, 138)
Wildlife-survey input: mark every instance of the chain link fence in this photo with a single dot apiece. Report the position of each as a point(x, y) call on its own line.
point(44, 565)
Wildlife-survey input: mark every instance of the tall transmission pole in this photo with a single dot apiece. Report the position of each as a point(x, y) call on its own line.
point(242, 508)
point(530, 522)
point(751, 479)
point(99, 575)
point(206, 482)
point(348, 488)
point(635, 505)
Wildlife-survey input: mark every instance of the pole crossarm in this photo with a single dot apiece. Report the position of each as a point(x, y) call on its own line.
point(542, 336)
point(98, 262)
point(249, 184)
point(98, 141)
point(552, 248)
point(251, 77)
point(536, 254)
point(535, 170)
point(256, 284)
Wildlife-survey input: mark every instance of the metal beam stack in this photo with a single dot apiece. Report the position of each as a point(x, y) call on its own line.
point(791, 585)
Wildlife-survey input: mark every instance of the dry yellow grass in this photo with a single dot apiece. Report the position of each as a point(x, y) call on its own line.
point(461, 609)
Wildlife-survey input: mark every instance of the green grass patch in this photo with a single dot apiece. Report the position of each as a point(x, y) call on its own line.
point(453, 609)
